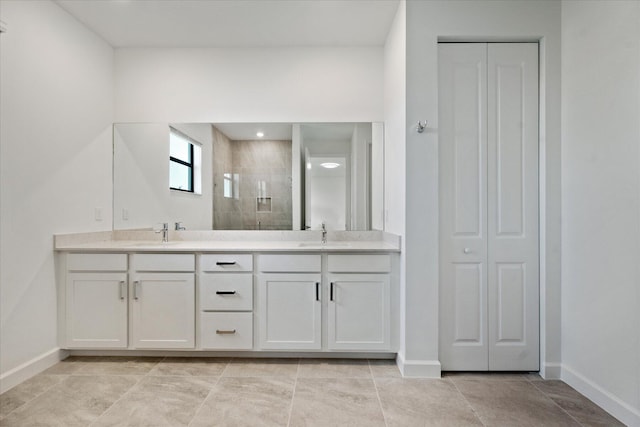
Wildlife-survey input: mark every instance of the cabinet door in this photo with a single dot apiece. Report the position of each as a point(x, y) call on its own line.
point(96, 310)
point(163, 309)
point(290, 311)
point(359, 312)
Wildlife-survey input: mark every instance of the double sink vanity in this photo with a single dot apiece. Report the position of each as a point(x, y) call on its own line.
point(229, 292)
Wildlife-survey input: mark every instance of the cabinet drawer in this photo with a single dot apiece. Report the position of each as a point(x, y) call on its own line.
point(163, 262)
point(290, 263)
point(226, 291)
point(359, 263)
point(226, 331)
point(226, 262)
point(97, 262)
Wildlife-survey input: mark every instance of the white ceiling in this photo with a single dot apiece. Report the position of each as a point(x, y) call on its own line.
point(247, 131)
point(236, 23)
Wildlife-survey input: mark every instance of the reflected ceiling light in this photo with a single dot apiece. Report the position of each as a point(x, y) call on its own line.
point(260, 134)
point(308, 165)
point(330, 165)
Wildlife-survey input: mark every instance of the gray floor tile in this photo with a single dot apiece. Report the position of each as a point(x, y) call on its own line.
point(116, 365)
point(159, 401)
point(384, 368)
point(65, 367)
point(336, 402)
point(334, 368)
point(512, 403)
point(76, 401)
point(247, 402)
point(190, 366)
point(579, 407)
point(27, 391)
point(424, 402)
point(262, 368)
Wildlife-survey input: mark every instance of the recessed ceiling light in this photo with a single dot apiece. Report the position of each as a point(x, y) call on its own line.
point(330, 165)
point(260, 134)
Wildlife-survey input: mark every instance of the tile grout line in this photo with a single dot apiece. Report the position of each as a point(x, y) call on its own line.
point(293, 394)
point(554, 402)
point(139, 378)
point(195, 414)
point(375, 386)
point(468, 403)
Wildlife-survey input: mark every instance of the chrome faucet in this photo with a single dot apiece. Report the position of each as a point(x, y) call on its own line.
point(180, 227)
point(165, 232)
point(324, 233)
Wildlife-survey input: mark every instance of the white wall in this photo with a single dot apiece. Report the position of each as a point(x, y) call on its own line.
point(395, 143)
point(56, 109)
point(141, 178)
point(249, 85)
point(601, 203)
point(475, 20)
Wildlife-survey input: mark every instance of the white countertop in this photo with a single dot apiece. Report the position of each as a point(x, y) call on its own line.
point(238, 246)
point(225, 242)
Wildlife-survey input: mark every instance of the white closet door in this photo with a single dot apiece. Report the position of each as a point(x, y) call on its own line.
point(488, 157)
point(513, 206)
point(462, 128)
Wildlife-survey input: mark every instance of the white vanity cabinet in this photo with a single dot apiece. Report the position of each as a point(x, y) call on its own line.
point(163, 301)
point(261, 301)
point(96, 301)
point(289, 302)
point(359, 310)
point(226, 301)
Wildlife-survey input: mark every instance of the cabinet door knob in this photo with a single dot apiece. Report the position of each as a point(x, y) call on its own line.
point(122, 287)
point(466, 250)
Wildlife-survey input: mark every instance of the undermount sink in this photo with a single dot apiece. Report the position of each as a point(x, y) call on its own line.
point(324, 245)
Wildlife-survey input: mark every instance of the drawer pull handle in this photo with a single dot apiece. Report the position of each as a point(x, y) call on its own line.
point(225, 263)
point(331, 292)
point(225, 292)
point(225, 332)
point(317, 291)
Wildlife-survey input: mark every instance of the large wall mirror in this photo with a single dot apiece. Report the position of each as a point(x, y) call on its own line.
point(249, 176)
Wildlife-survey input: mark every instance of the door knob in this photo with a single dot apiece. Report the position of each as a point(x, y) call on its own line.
point(466, 250)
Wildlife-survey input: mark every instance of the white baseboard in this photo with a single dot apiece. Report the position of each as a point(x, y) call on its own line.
point(418, 368)
point(551, 371)
point(17, 375)
point(607, 401)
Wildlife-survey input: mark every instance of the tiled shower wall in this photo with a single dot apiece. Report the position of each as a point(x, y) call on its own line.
point(263, 174)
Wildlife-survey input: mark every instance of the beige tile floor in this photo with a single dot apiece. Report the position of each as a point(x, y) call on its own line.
point(135, 391)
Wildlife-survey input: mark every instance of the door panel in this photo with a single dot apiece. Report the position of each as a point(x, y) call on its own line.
point(513, 206)
point(469, 304)
point(96, 310)
point(463, 198)
point(163, 310)
point(359, 312)
point(289, 307)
